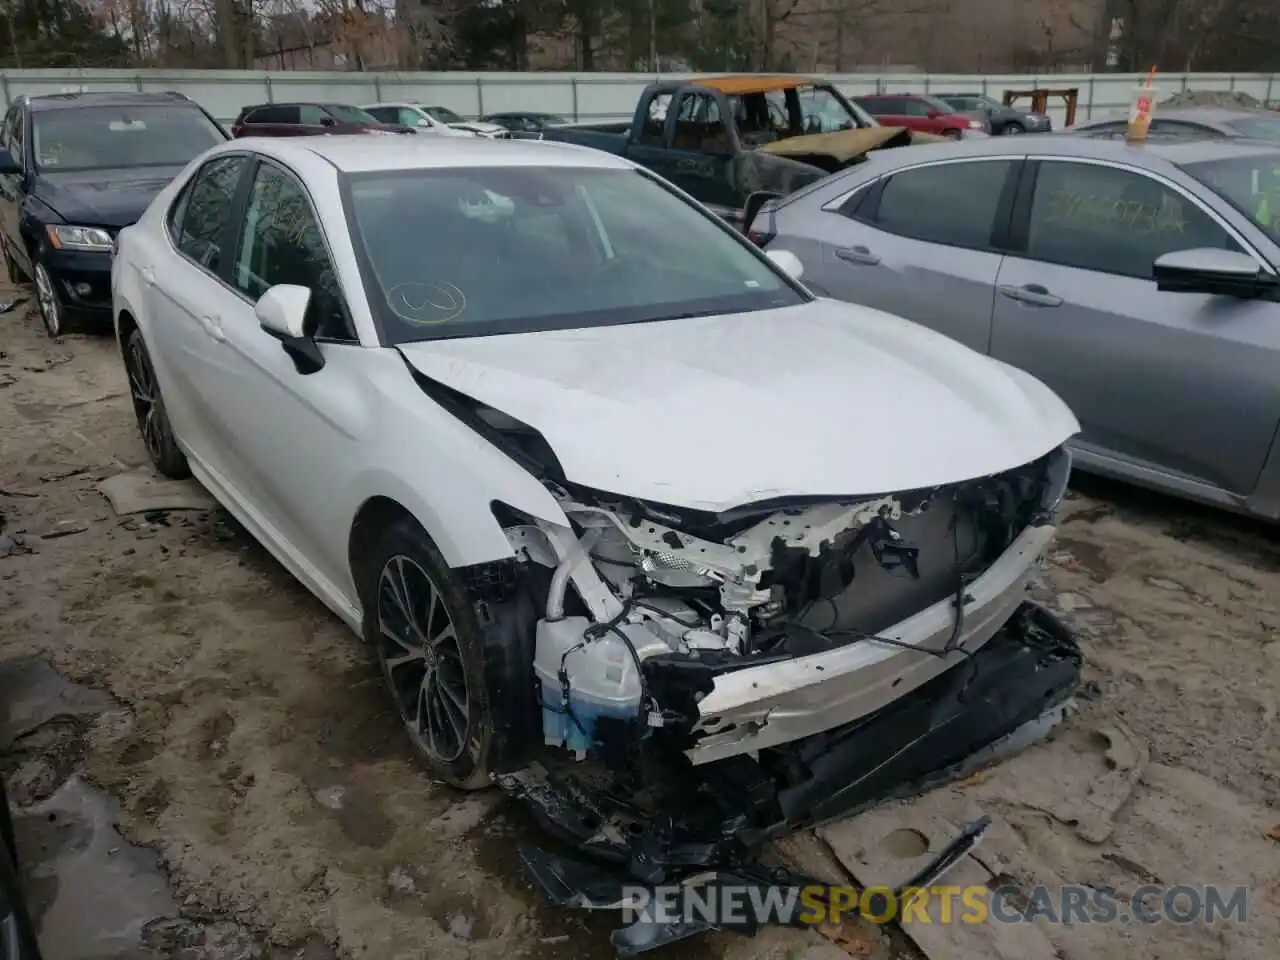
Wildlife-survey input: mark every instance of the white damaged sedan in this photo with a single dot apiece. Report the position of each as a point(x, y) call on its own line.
point(600, 481)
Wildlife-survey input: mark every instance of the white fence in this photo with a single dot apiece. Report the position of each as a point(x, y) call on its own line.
point(578, 96)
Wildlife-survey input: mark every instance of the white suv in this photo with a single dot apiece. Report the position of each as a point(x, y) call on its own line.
point(436, 119)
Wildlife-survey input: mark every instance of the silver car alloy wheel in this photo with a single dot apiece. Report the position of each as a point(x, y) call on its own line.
point(422, 659)
point(47, 298)
point(145, 394)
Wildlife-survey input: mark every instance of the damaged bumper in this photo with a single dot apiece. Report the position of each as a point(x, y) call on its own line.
point(777, 703)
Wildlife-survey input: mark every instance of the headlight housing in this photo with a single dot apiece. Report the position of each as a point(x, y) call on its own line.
point(67, 237)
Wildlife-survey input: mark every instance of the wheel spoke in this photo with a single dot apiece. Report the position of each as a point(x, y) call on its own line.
point(422, 658)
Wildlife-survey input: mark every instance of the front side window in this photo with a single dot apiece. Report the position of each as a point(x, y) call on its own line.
point(350, 114)
point(951, 203)
point(825, 112)
point(1114, 221)
point(1250, 183)
point(444, 115)
point(282, 242)
point(104, 138)
point(201, 214)
point(467, 252)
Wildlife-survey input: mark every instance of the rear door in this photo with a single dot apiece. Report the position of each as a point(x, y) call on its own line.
point(1182, 383)
point(922, 243)
point(890, 111)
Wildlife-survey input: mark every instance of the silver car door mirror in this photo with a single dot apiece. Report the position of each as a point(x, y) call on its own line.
point(282, 313)
point(787, 262)
point(1214, 271)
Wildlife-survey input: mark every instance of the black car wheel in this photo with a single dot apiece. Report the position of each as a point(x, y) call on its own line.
point(52, 313)
point(148, 407)
point(1013, 127)
point(953, 134)
point(431, 653)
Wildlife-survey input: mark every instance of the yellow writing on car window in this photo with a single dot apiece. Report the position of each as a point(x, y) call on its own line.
point(1131, 215)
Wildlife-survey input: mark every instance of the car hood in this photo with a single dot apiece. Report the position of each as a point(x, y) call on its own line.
point(102, 198)
point(820, 399)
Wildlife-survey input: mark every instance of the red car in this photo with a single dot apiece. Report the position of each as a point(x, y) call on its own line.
point(307, 120)
point(921, 112)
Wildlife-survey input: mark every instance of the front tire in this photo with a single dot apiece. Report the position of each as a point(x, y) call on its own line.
point(52, 313)
point(1013, 128)
point(431, 652)
point(149, 409)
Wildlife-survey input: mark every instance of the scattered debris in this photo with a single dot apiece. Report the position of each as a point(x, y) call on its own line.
point(13, 544)
point(1161, 583)
point(460, 926)
point(141, 491)
point(64, 474)
point(7, 306)
point(401, 881)
point(62, 532)
point(4, 492)
point(1127, 756)
point(50, 363)
point(1273, 833)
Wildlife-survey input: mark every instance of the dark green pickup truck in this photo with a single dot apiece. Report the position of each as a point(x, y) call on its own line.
point(722, 139)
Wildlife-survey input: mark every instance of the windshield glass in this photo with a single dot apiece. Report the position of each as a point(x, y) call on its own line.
point(444, 114)
point(469, 252)
point(824, 112)
point(1250, 183)
point(349, 114)
point(1264, 128)
point(101, 137)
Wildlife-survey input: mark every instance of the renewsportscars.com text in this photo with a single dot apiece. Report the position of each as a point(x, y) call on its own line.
point(814, 905)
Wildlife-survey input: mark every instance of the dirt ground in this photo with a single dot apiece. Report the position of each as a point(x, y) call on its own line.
point(242, 733)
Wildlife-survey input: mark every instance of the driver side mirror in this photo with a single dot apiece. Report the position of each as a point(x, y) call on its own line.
point(282, 313)
point(328, 122)
point(8, 166)
point(1212, 271)
point(787, 262)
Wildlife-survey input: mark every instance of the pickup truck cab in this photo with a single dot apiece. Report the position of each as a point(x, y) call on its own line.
point(722, 139)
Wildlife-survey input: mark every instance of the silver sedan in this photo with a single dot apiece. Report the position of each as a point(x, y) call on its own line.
point(1139, 282)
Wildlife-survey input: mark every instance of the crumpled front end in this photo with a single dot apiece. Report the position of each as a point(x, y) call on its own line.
point(726, 635)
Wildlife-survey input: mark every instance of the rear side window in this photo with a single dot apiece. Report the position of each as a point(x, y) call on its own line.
point(385, 114)
point(273, 114)
point(951, 203)
point(199, 218)
point(311, 116)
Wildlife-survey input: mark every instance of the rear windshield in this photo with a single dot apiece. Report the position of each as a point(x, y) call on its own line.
point(468, 252)
point(101, 137)
point(1249, 183)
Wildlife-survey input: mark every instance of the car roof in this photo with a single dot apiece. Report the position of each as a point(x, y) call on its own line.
point(104, 98)
point(737, 84)
point(1207, 115)
point(359, 154)
point(1178, 151)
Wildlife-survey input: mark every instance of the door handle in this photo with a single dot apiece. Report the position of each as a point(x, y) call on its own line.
point(1032, 294)
point(213, 327)
point(858, 254)
point(148, 276)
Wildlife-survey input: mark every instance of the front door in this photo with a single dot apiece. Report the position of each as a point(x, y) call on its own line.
point(701, 152)
point(921, 246)
point(292, 431)
point(1184, 383)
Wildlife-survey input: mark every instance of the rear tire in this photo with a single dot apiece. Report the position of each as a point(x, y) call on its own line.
point(149, 409)
point(431, 651)
point(1012, 128)
point(952, 134)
